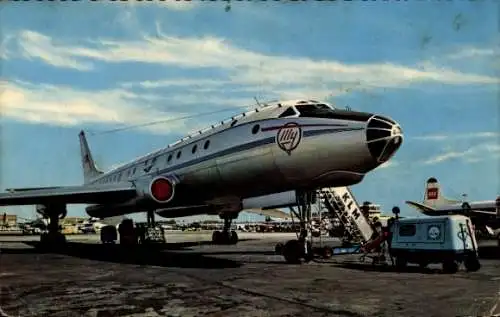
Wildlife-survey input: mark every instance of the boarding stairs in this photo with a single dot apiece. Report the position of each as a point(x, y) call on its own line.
point(341, 203)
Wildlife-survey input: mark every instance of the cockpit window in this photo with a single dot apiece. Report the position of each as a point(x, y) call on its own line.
point(288, 113)
point(315, 111)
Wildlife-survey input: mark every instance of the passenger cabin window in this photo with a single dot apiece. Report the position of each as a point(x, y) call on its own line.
point(288, 113)
point(407, 230)
point(255, 129)
point(315, 111)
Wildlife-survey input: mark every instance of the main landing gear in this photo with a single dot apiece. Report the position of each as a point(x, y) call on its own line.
point(301, 248)
point(226, 236)
point(152, 234)
point(52, 238)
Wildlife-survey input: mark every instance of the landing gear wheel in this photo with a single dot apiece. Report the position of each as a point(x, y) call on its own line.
point(472, 264)
point(52, 240)
point(221, 237)
point(217, 237)
point(401, 263)
point(293, 251)
point(450, 267)
point(233, 239)
point(278, 249)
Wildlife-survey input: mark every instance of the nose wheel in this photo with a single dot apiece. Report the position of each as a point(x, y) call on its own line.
point(301, 248)
point(226, 236)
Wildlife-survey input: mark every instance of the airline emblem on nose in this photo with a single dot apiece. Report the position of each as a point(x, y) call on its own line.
point(288, 137)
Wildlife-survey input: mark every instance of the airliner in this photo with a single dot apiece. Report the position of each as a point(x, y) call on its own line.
point(482, 213)
point(263, 158)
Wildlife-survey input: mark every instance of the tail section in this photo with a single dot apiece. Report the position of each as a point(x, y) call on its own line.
point(90, 171)
point(433, 196)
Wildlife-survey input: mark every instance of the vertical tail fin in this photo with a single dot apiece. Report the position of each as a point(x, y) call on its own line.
point(433, 196)
point(90, 170)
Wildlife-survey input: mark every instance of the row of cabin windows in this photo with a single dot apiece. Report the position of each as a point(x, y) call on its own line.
point(130, 172)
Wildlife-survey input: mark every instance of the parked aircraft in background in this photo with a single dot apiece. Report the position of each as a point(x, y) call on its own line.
point(273, 156)
point(484, 214)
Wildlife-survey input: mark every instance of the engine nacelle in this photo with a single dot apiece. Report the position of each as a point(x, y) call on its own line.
point(278, 200)
point(160, 189)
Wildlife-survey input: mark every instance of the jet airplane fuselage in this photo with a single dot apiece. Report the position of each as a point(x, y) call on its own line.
point(284, 146)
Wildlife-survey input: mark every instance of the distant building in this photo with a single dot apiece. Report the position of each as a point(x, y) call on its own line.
point(8, 220)
point(73, 220)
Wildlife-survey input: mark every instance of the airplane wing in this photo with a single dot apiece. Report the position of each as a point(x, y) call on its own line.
point(447, 209)
point(191, 210)
point(273, 213)
point(83, 194)
point(421, 207)
point(29, 188)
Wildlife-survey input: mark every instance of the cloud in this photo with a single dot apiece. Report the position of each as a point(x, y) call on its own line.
point(471, 155)
point(121, 108)
point(176, 5)
point(474, 52)
point(241, 66)
point(34, 45)
point(64, 106)
point(459, 136)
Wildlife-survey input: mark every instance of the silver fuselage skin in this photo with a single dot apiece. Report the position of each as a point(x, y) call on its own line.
point(254, 158)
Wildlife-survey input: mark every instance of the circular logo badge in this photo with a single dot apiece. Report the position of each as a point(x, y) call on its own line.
point(433, 232)
point(289, 136)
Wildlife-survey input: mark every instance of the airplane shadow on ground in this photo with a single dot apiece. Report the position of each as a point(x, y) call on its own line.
point(386, 268)
point(166, 255)
point(489, 252)
point(486, 252)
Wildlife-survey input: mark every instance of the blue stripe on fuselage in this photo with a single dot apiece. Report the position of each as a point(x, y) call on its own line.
point(249, 146)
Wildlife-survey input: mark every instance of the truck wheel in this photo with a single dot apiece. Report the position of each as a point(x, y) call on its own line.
point(450, 267)
point(423, 265)
point(401, 263)
point(278, 249)
point(472, 264)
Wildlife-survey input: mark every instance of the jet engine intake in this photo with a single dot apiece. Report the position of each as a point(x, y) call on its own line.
point(161, 190)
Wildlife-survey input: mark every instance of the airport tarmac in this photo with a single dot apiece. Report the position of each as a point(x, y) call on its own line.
point(191, 277)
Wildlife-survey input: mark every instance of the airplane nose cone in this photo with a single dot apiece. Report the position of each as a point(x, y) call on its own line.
point(384, 136)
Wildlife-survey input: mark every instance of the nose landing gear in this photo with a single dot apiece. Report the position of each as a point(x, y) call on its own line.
point(295, 250)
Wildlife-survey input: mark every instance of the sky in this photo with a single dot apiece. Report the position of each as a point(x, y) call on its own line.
point(432, 66)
